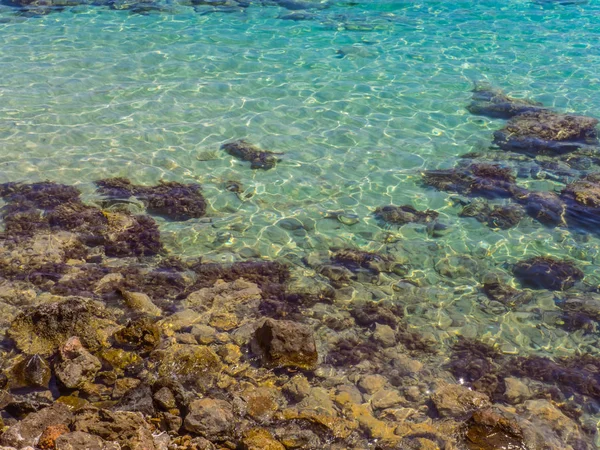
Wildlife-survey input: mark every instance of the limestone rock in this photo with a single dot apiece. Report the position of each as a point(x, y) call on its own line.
point(209, 418)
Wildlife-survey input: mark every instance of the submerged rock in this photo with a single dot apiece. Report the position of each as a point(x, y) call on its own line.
point(503, 217)
point(583, 201)
point(478, 179)
point(547, 273)
point(547, 133)
point(401, 215)
point(545, 207)
point(458, 401)
point(42, 329)
point(488, 430)
point(491, 102)
point(259, 159)
point(175, 201)
point(76, 365)
point(282, 343)
point(30, 371)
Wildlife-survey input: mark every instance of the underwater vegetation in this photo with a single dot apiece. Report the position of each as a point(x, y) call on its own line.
point(547, 273)
point(258, 158)
point(169, 199)
point(401, 215)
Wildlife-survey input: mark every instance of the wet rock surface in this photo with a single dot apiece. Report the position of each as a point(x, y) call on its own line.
point(259, 159)
point(491, 102)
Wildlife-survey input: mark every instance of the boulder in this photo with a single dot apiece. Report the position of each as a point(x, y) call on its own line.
point(210, 418)
point(282, 343)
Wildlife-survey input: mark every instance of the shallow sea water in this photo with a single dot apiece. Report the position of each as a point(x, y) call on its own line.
point(360, 97)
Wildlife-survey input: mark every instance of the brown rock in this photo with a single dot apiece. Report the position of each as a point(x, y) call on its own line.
point(26, 432)
point(48, 438)
point(283, 343)
point(210, 418)
point(79, 440)
point(76, 365)
point(454, 400)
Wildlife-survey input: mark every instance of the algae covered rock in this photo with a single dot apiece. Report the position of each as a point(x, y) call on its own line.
point(30, 371)
point(547, 133)
point(491, 102)
point(488, 430)
point(401, 215)
point(139, 334)
point(197, 365)
point(42, 329)
point(259, 159)
point(547, 273)
point(282, 343)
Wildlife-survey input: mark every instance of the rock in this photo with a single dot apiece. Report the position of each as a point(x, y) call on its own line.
point(121, 360)
point(129, 429)
point(491, 102)
point(124, 385)
point(42, 329)
point(488, 430)
point(259, 159)
point(194, 364)
point(401, 215)
point(138, 399)
point(48, 438)
point(516, 391)
point(79, 440)
point(76, 365)
point(297, 388)
point(141, 303)
point(260, 439)
point(384, 335)
point(140, 334)
point(458, 401)
point(545, 207)
point(26, 432)
point(165, 399)
point(546, 133)
point(283, 343)
point(386, 398)
point(261, 402)
point(549, 414)
point(210, 418)
point(30, 371)
point(372, 383)
point(547, 273)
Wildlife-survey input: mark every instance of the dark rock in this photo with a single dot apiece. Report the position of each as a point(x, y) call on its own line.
point(471, 360)
point(348, 352)
point(259, 159)
point(76, 365)
point(165, 399)
point(505, 217)
point(43, 195)
point(478, 179)
point(42, 329)
point(31, 371)
point(545, 207)
point(505, 294)
point(546, 133)
point(488, 430)
point(26, 432)
point(547, 273)
point(132, 236)
point(138, 399)
point(370, 313)
point(583, 201)
point(173, 200)
point(491, 102)
point(401, 215)
point(210, 418)
point(355, 259)
point(116, 188)
point(282, 343)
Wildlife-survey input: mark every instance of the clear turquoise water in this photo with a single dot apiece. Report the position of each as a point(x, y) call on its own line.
point(360, 98)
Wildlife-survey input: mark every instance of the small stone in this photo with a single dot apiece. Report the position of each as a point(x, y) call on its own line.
point(516, 391)
point(30, 371)
point(141, 302)
point(297, 388)
point(384, 335)
point(385, 398)
point(124, 385)
point(165, 399)
point(372, 383)
point(78, 440)
point(209, 418)
point(204, 334)
point(458, 401)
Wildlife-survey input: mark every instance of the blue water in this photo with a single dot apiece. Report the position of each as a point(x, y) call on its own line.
point(359, 96)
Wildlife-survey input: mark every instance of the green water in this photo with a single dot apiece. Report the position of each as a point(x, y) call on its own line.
point(360, 98)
